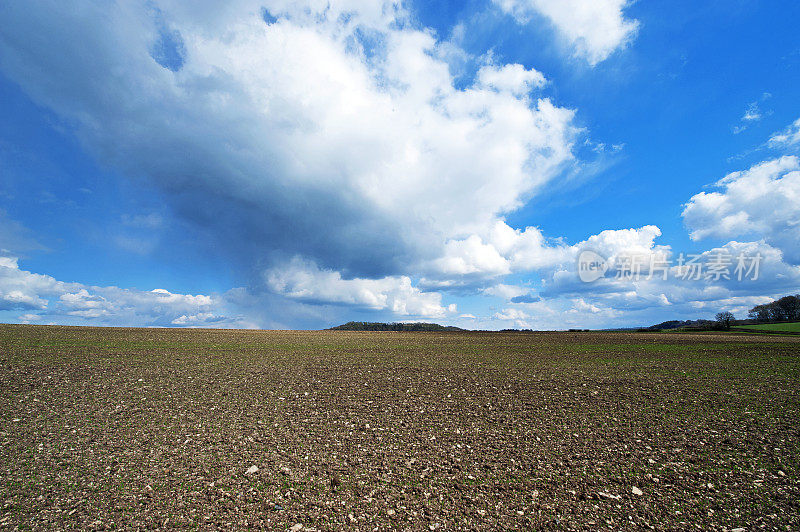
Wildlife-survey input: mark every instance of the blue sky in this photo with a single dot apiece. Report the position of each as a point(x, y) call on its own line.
point(298, 165)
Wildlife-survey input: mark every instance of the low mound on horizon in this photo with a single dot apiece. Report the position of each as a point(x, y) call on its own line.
point(406, 327)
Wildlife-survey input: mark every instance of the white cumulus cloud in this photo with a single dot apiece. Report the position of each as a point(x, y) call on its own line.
point(762, 202)
point(305, 281)
point(595, 28)
point(513, 78)
point(333, 131)
point(46, 299)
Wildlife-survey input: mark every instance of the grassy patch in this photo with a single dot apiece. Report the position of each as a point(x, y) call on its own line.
point(776, 327)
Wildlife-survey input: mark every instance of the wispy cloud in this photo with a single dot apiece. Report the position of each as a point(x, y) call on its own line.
point(789, 138)
point(752, 114)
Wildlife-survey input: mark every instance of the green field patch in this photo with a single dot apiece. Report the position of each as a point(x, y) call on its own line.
point(773, 327)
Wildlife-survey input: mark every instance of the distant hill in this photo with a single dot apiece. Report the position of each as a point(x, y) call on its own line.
point(678, 324)
point(372, 326)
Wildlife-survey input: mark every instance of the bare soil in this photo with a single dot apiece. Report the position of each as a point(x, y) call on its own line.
point(154, 428)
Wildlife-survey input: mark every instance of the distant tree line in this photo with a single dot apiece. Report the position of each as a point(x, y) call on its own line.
point(785, 309)
point(374, 326)
point(680, 324)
